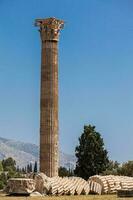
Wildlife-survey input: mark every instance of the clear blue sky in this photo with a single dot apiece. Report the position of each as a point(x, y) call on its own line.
point(95, 71)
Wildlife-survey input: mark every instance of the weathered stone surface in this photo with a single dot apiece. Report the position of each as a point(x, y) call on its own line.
point(35, 194)
point(110, 184)
point(20, 186)
point(68, 186)
point(42, 184)
point(49, 156)
point(60, 186)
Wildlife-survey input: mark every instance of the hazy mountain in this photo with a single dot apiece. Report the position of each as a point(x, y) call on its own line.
point(25, 153)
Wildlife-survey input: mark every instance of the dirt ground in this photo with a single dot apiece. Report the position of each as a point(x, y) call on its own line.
point(88, 197)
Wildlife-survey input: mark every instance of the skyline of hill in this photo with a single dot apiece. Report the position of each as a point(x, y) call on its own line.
point(24, 153)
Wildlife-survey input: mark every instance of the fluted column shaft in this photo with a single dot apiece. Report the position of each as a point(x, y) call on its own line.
point(49, 109)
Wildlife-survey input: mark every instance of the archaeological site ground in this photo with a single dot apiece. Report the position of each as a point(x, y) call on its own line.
point(91, 197)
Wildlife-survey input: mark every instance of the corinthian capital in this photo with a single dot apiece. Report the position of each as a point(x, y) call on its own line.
point(49, 28)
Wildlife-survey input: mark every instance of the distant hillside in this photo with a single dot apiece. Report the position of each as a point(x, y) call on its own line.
point(25, 153)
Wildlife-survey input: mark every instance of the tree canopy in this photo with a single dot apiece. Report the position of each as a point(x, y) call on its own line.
point(126, 169)
point(1, 166)
point(9, 164)
point(35, 167)
point(91, 154)
point(65, 172)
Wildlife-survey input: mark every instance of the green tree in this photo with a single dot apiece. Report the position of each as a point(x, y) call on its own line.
point(64, 172)
point(11, 174)
point(9, 164)
point(3, 180)
point(1, 185)
point(112, 169)
point(9, 171)
point(23, 170)
point(35, 167)
point(30, 167)
point(91, 154)
point(18, 169)
point(126, 169)
point(1, 166)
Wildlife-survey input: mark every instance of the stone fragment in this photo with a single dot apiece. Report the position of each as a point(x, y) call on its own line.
point(35, 194)
point(20, 186)
point(110, 184)
point(42, 182)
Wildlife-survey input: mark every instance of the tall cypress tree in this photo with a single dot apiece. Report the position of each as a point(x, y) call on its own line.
point(30, 167)
point(91, 154)
point(35, 167)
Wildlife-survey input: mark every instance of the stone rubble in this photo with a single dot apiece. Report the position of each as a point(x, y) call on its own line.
point(110, 184)
point(35, 194)
point(39, 185)
point(20, 186)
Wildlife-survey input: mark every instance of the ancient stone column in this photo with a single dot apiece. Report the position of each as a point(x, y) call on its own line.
point(49, 156)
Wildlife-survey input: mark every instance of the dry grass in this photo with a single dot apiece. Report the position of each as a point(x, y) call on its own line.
point(89, 197)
